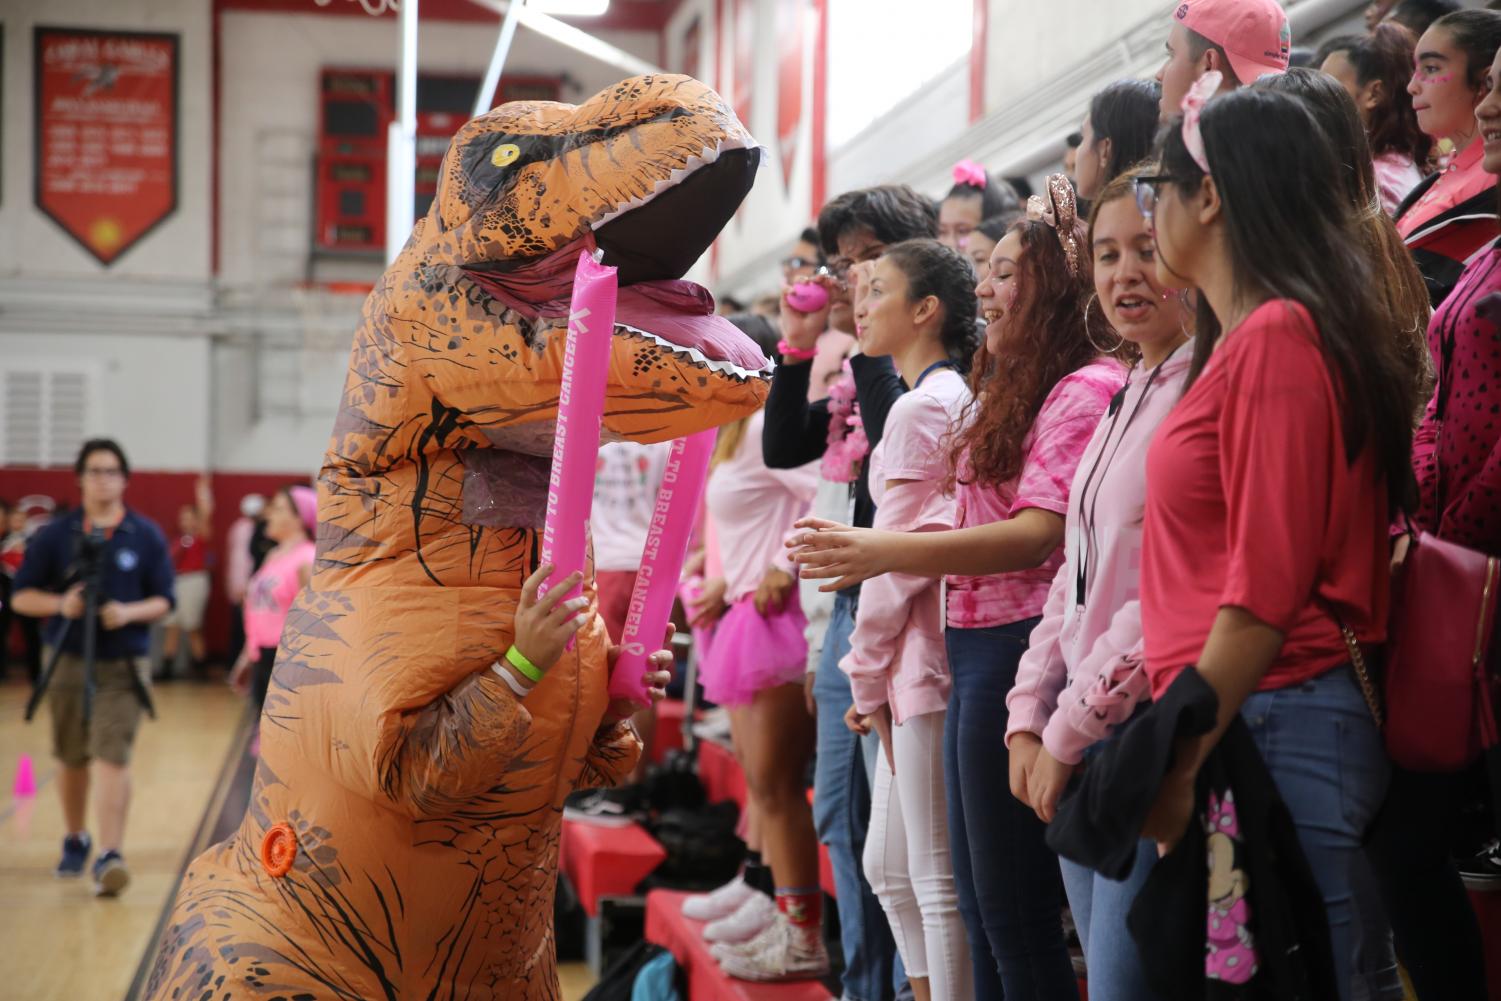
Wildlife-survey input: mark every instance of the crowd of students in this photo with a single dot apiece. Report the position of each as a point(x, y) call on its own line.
point(1122, 474)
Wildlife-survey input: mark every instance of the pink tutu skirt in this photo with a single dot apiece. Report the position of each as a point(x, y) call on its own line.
point(688, 593)
point(750, 654)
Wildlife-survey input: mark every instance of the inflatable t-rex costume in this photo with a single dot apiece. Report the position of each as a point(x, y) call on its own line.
point(402, 834)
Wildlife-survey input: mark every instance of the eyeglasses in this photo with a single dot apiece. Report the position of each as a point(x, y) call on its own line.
point(1146, 194)
point(797, 263)
point(839, 268)
point(104, 474)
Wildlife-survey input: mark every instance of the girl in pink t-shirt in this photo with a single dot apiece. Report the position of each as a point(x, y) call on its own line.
point(1268, 488)
point(291, 522)
point(919, 310)
point(1041, 386)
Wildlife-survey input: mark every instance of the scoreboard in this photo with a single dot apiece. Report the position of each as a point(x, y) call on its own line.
point(356, 108)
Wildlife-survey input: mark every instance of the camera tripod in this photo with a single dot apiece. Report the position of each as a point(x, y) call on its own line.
point(90, 570)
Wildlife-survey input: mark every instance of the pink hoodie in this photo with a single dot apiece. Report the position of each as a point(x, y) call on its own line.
point(1082, 674)
point(896, 652)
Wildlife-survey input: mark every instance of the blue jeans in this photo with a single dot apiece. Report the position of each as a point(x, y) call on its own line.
point(1325, 754)
point(1100, 906)
point(841, 813)
point(1008, 880)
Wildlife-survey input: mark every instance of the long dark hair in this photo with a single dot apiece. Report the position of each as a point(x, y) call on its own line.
point(1047, 339)
point(1126, 113)
point(1288, 239)
point(1386, 55)
point(933, 269)
point(1397, 276)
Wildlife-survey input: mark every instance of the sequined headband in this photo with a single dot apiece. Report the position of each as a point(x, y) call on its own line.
point(1059, 211)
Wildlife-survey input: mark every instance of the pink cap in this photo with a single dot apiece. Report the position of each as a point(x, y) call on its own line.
point(1253, 33)
point(305, 499)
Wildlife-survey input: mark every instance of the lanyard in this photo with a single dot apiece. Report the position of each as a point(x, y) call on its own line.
point(1087, 514)
point(930, 370)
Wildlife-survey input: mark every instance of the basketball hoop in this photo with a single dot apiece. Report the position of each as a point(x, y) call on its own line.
point(375, 8)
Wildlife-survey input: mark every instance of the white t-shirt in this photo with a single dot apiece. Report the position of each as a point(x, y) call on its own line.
point(626, 478)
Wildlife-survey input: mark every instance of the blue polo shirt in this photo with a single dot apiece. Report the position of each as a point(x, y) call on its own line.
point(135, 565)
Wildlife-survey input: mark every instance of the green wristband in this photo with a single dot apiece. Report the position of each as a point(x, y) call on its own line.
point(528, 670)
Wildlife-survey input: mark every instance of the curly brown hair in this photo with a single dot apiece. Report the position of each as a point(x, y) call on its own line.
point(1046, 339)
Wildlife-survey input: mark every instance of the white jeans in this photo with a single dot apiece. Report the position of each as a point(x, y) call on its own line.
point(908, 863)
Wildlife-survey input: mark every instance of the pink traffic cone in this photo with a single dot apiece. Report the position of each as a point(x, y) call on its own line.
point(25, 786)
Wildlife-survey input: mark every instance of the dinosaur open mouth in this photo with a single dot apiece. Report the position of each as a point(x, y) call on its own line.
point(692, 206)
point(653, 241)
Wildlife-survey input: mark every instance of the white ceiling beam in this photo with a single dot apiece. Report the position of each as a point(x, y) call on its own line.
point(574, 38)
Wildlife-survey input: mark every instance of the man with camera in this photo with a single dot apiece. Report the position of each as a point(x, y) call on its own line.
point(101, 575)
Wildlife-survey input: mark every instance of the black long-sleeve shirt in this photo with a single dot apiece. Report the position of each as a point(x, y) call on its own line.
point(797, 431)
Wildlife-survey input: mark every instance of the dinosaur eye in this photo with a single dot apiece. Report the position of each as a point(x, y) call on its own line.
point(505, 154)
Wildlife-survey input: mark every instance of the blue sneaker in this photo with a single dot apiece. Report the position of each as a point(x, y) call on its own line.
point(110, 874)
point(76, 848)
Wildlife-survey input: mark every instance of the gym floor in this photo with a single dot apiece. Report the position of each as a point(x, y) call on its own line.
point(58, 940)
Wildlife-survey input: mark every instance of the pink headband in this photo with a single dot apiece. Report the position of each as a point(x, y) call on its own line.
point(305, 500)
point(971, 173)
point(1059, 211)
point(1198, 95)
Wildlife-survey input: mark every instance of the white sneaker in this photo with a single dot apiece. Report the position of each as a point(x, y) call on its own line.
point(713, 725)
point(721, 903)
point(749, 919)
point(781, 952)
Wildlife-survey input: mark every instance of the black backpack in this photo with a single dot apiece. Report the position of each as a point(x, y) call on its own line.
point(702, 849)
point(674, 783)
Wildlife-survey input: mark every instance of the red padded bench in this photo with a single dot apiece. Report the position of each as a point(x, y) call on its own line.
point(607, 861)
point(668, 736)
point(683, 937)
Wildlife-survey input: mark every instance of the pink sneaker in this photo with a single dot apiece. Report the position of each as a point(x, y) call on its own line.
point(746, 923)
point(721, 903)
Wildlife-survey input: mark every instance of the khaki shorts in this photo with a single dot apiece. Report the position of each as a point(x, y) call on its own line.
point(111, 730)
point(192, 598)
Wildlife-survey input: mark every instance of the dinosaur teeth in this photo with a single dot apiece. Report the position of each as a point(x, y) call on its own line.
point(699, 358)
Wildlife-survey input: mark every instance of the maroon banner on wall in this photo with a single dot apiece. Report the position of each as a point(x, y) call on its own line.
point(106, 134)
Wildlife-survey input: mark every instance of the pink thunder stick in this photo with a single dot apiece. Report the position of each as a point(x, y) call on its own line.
point(581, 408)
point(672, 521)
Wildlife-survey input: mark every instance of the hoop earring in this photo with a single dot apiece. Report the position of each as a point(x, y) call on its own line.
point(1089, 336)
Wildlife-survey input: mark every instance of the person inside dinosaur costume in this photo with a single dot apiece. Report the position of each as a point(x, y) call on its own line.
point(402, 835)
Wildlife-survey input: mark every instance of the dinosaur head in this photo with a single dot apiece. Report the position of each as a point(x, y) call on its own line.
point(647, 173)
point(653, 168)
point(459, 356)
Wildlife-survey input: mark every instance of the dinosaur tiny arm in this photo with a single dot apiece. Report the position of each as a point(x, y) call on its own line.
point(615, 751)
point(454, 748)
